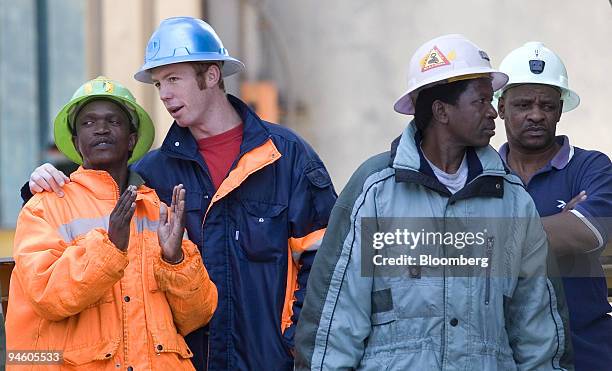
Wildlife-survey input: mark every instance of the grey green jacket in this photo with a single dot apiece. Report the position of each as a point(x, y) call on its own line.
point(505, 317)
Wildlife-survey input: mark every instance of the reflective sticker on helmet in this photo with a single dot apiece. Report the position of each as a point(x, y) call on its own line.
point(108, 87)
point(152, 49)
point(88, 88)
point(536, 66)
point(435, 58)
point(484, 55)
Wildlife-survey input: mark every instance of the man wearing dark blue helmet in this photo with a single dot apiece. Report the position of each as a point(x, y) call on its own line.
point(258, 198)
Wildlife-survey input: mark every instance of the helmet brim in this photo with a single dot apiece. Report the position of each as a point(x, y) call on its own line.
point(230, 67)
point(405, 104)
point(570, 98)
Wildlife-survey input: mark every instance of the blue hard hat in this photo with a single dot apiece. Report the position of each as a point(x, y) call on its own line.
point(185, 39)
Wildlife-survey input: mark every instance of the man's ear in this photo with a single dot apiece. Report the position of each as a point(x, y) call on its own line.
point(501, 107)
point(213, 75)
point(439, 111)
point(560, 110)
point(132, 142)
point(76, 145)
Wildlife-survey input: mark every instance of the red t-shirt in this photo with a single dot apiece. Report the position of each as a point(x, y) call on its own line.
point(220, 151)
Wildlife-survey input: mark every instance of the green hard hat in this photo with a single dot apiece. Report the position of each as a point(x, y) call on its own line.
point(102, 88)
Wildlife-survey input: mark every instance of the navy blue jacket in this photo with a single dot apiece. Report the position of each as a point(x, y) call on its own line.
point(257, 233)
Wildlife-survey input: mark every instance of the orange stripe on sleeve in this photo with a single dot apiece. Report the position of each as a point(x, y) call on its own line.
point(299, 245)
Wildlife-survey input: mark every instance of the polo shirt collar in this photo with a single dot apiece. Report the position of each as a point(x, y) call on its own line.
point(559, 161)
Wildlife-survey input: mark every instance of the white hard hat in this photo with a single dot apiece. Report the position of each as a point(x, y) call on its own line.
point(534, 63)
point(445, 59)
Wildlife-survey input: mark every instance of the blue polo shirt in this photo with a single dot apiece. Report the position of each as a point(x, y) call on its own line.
point(571, 171)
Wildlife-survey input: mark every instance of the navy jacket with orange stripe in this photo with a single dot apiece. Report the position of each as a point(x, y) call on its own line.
point(257, 234)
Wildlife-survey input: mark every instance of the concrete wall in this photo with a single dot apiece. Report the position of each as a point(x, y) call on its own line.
point(348, 63)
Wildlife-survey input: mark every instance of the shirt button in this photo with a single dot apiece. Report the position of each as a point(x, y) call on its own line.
point(130, 368)
point(206, 197)
point(497, 186)
point(454, 322)
point(176, 144)
point(415, 272)
point(126, 298)
point(160, 347)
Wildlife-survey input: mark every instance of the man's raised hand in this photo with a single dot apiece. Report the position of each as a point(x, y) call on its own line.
point(172, 226)
point(120, 218)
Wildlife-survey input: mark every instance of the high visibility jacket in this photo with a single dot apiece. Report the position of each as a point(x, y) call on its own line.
point(73, 291)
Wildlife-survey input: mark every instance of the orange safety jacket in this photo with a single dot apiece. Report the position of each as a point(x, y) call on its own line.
point(74, 292)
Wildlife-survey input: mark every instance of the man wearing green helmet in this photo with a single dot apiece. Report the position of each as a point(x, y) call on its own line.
point(103, 277)
point(258, 198)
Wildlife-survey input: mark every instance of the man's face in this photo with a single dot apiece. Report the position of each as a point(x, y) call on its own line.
point(472, 118)
point(103, 135)
point(531, 113)
point(178, 90)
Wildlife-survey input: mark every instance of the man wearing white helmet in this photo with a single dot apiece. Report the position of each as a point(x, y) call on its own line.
point(257, 198)
point(374, 302)
point(571, 187)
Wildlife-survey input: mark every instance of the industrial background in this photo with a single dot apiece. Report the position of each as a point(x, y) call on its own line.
point(331, 70)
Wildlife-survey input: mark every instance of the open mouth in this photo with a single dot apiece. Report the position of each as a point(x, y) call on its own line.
point(102, 143)
point(174, 110)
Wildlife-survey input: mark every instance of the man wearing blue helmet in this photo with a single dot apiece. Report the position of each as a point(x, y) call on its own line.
point(258, 198)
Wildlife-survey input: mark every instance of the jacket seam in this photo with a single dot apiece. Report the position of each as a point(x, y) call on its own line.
point(558, 353)
point(349, 258)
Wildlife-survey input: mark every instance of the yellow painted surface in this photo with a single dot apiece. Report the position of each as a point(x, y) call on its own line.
point(6, 242)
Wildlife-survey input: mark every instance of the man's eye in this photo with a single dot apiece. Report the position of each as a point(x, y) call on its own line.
point(173, 79)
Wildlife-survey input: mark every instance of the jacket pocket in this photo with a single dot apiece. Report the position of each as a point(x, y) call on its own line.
point(383, 319)
point(101, 351)
point(262, 233)
point(168, 342)
point(383, 333)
